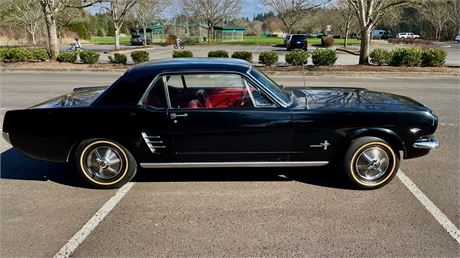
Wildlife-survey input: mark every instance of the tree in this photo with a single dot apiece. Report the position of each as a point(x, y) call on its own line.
point(347, 18)
point(369, 13)
point(27, 13)
point(291, 12)
point(51, 10)
point(438, 13)
point(211, 12)
point(117, 11)
point(143, 12)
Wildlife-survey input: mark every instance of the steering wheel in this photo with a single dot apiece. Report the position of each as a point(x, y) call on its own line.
point(243, 97)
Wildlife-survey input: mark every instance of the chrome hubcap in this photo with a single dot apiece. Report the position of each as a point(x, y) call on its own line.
point(104, 162)
point(372, 164)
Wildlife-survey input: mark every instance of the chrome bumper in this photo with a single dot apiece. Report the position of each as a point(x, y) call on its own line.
point(431, 143)
point(6, 136)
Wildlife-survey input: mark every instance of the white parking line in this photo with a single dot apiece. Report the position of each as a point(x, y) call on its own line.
point(80, 236)
point(429, 205)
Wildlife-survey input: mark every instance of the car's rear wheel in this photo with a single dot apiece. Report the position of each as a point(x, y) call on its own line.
point(370, 162)
point(104, 163)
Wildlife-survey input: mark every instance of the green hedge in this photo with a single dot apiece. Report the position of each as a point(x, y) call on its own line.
point(380, 56)
point(191, 40)
point(182, 53)
point(324, 56)
point(434, 57)
point(17, 55)
point(118, 58)
point(89, 56)
point(218, 53)
point(40, 54)
point(297, 57)
point(140, 56)
point(409, 57)
point(69, 57)
point(245, 55)
point(268, 58)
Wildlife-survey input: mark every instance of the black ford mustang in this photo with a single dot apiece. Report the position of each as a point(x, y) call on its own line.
point(184, 113)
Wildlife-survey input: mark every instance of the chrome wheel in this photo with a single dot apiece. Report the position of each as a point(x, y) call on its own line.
point(372, 164)
point(104, 162)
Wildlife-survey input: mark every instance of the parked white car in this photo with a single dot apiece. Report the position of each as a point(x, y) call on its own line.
point(407, 35)
point(457, 38)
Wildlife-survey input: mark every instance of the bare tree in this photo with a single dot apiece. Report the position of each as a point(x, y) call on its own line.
point(27, 13)
point(117, 11)
point(369, 13)
point(438, 13)
point(51, 10)
point(291, 12)
point(143, 12)
point(211, 12)
point(347, 18)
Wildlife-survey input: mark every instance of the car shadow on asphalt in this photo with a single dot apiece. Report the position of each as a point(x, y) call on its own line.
point(17, 166)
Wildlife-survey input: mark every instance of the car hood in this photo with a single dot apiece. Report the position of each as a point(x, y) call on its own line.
point(80, 97)
point(354, 99)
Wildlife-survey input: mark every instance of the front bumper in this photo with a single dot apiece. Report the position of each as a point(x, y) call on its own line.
point(6, 137)
point(429, 143)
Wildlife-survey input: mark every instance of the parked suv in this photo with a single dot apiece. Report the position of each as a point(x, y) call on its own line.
point(407, 35)
point(139, 40)
point(297, 41)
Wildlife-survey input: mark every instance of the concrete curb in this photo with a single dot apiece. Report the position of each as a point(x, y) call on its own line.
point(274, 73)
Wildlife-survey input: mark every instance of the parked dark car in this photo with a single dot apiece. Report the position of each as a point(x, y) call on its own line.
point(297, 41)
point(139, 40)
point(184, 113)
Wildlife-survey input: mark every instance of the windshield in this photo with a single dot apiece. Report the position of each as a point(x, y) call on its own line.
point(271, 86)
point(298, 37)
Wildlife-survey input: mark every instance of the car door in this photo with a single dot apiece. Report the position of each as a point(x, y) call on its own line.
point(220, 117)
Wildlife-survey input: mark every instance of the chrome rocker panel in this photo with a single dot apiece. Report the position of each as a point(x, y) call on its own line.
point(234, 164)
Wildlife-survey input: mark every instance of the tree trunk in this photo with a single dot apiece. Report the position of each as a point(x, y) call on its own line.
point(53, 43)
point(347, 28)
point(364, 51)
point(34, 41)
point(117, 38)
point(144, 28)
point(209, 35)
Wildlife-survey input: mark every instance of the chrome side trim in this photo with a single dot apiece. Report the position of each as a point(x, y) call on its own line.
point(6, 137)
point(235, 164)
point(153, 142)
point(426, 144)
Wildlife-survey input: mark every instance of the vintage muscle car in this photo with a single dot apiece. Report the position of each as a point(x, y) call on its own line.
point(185, 113)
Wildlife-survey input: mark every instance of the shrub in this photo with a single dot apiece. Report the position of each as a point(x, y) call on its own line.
point(69, 57)
point(170, 39)
point(380, 56)
point(191, 40)
point(118, 58)
point(324, 56)
point(327, 41)
point(40, 54)
point(406, 57)
point(268, 58)
point(3, 53)
point(245, 55)
point(17, 55)
point(218, 53)
point(182, 53)
point(434, 57)
point(140, 56)
point(297, 57)
point(89, 56)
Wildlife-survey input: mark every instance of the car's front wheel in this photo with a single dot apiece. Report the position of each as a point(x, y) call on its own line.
point(104, 163)
point(370, 162)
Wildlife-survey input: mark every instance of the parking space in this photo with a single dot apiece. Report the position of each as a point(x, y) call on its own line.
point(233, 212)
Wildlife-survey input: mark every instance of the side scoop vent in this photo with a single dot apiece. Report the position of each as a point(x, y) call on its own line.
point(153, 142)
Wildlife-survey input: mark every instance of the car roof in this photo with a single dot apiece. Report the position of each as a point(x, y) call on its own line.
point(205, 64)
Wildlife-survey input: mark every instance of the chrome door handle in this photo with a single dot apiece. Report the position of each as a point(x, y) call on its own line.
point(174, 115)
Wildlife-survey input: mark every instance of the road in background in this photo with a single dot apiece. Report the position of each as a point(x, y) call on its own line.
point(228, 212)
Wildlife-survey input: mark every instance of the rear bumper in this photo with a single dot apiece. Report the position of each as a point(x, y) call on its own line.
point(430, 143)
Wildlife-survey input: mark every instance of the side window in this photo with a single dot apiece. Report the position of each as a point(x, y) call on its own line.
point(156, 96)
point(208, 91)
point(259, 99)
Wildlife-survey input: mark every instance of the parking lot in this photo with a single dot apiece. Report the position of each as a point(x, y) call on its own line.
point(235, 212)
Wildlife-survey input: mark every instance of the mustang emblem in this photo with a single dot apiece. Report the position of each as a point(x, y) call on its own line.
point(323, 145)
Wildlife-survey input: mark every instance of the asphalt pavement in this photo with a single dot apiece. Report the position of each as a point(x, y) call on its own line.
point(233, 212)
